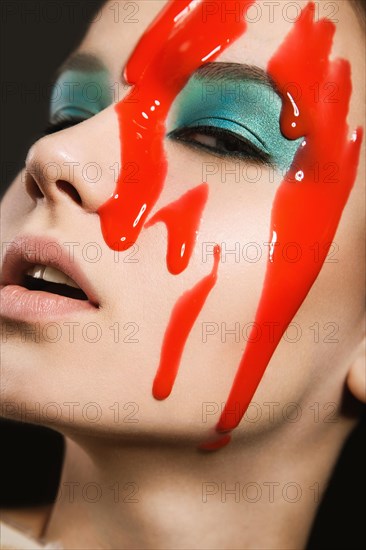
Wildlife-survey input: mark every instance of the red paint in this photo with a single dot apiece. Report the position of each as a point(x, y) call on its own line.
point(182, 319)
point(185, 35)
point(215, 443)
point(305, 211)
point(182, 218)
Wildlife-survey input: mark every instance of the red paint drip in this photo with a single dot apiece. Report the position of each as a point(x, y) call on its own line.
point(182, 218)
point(186, 35)
point(306, 209)
point(217, 442)
point(183, 317)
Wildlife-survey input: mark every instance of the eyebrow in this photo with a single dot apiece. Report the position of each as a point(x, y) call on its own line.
point(83, 62)
point(215, 71)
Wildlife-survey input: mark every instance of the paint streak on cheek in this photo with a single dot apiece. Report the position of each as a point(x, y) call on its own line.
point(182, 319)
point(182, 218)
point(305, 211)
point(185, 35)
point(307, 208)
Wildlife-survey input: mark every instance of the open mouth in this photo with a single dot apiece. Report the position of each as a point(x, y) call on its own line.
point(36, 286)
point(52, 280)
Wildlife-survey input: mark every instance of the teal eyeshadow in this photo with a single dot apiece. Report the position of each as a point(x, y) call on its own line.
point(248, 108)
point(80, 94)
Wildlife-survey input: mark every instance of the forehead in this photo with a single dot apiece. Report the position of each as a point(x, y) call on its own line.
point(118, 26)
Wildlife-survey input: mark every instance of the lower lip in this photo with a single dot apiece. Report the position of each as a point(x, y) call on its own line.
point(20, 304)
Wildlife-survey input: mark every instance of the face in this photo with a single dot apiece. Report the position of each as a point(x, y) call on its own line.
point(90, 367)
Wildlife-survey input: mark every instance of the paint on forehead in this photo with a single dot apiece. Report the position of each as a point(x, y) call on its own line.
point(80, 93)
point(248, 108)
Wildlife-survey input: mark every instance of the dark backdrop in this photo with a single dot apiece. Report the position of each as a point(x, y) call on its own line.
point(35, 39)
point(36, 36)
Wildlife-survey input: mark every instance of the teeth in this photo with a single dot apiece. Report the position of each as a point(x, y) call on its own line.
point(38, 271)
point(51, 275)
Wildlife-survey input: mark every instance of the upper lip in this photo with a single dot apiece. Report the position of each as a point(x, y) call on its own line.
point(26, 251)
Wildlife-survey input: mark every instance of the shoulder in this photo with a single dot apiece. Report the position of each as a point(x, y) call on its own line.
point(22, 528)
point(14, 539)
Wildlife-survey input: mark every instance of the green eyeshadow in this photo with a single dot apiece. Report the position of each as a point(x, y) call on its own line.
point(80, 94)
point(249, 108)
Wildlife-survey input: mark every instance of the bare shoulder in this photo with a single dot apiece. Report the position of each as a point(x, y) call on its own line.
point(31, 521)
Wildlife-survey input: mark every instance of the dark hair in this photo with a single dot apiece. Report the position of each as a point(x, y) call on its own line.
point(359, 7)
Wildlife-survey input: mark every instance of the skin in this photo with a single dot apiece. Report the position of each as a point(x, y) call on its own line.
point(158, 452)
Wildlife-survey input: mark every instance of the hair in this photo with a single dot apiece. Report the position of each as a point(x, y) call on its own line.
point(359, 7)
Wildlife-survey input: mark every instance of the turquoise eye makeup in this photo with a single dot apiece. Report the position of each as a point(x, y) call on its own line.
point(233, 117)
point(76, 96)
point(227, 109)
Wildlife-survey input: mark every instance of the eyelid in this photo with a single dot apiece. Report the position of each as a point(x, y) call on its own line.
point(252, 152)
point(233, 126)
point(70, 112)
point(72, 85)
point(62, 123)
point(254, 115)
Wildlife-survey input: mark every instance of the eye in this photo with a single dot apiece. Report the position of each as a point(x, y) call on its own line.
point(61, 124)
point(222, 143)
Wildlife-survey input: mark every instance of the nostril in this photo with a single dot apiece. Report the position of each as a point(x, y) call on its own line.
point(33, 189)
point(66, 187)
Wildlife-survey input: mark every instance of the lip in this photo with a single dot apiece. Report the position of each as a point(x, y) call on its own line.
point(20, 304)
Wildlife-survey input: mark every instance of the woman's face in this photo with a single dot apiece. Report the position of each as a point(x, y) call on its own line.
point(93, 368)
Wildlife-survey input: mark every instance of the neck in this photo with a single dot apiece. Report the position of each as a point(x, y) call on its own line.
point(261, 493)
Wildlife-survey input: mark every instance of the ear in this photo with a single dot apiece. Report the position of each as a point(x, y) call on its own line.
point(356, 379)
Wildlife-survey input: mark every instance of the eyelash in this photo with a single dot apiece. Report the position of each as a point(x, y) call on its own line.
point(245, 150)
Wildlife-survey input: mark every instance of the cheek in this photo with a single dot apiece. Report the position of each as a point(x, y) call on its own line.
point(236, 217)
point(15, 205)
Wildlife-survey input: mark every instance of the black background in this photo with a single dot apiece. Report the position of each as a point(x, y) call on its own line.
point(35, 38)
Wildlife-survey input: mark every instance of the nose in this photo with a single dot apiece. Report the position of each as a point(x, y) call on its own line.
point(78, 164)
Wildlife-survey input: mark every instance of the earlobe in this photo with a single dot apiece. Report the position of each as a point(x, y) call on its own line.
point(356, 379)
